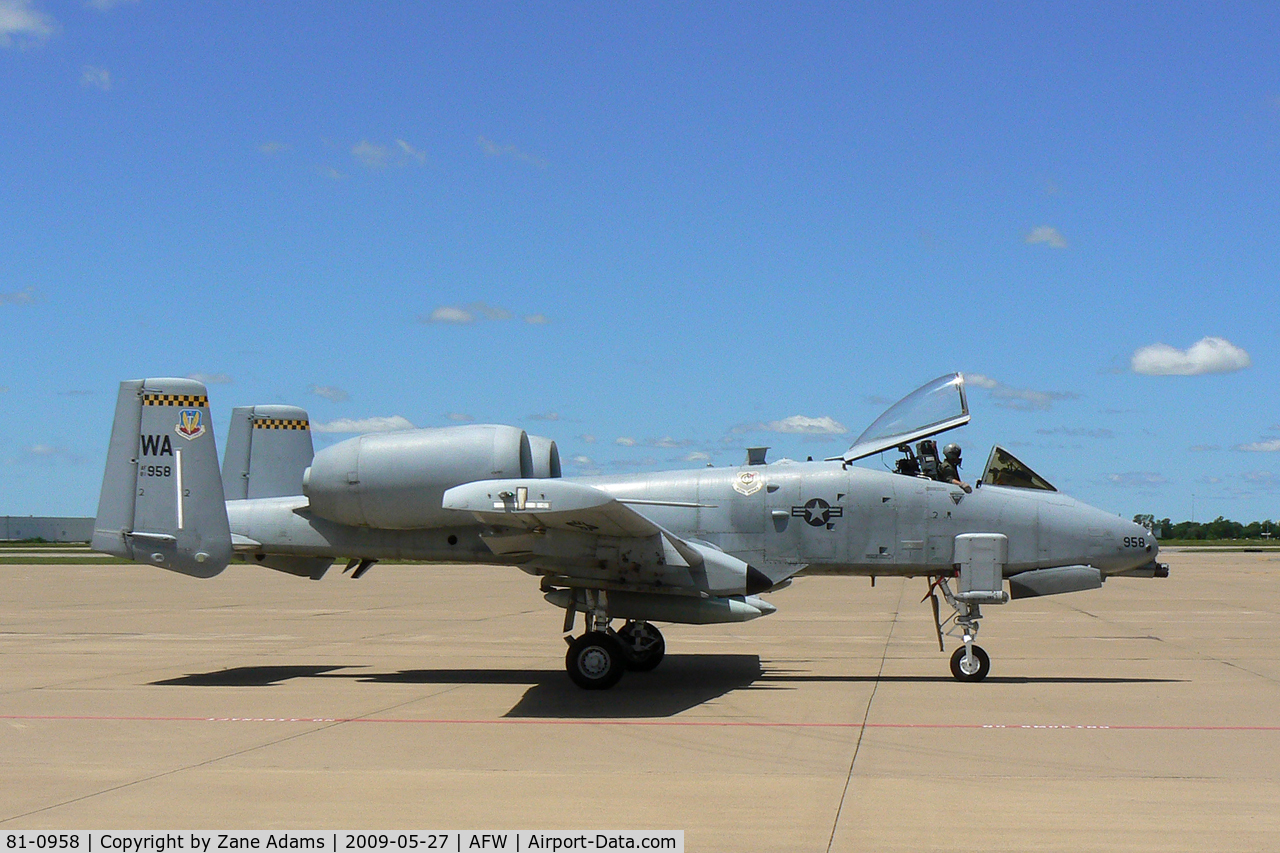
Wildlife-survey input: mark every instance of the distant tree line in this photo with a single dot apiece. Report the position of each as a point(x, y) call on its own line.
point(1219, 528)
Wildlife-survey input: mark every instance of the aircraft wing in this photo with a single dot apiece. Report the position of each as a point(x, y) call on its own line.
point(548, 503)
point(558, 504)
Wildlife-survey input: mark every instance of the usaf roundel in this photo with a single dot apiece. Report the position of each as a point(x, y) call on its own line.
point(817, 512)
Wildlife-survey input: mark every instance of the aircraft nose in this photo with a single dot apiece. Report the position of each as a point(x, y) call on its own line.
point(1140, 543)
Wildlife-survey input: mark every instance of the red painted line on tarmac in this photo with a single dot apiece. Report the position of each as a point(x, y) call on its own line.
point(519, 721)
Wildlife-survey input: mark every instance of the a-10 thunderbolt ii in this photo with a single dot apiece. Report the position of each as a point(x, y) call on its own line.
point(693, 546)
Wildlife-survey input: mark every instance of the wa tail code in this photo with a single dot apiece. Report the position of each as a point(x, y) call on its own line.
point(156, 445)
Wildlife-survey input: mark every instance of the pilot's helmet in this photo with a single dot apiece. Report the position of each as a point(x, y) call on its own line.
point(952, 452)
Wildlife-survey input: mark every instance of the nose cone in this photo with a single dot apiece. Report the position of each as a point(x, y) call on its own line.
point(1074, 533)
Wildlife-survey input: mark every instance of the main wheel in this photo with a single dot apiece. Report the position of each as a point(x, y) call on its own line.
point(970, 670)
point(643, 645)
point(595, 661)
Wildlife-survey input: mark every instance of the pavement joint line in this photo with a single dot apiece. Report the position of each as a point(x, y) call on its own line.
point(172, 771)
point(866, 715)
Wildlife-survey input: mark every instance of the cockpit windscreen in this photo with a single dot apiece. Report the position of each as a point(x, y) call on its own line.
point(1005, 469)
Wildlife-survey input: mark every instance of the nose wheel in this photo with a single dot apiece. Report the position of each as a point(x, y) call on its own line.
point(970, 663)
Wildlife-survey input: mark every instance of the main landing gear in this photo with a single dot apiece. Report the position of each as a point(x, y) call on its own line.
point(598, 658)
point(970, 662)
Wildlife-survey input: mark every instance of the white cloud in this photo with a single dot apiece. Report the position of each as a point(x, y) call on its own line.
point(625, 441)
point(1047, 235)
point(1208, 355)
point(410, 151)
point(803, 425)
point(493, 149)
point(545, 416)
point(376, 156)
point(17, 18)
point(95, 77)
point(1021, 399)
point(348, 425)
point(211, 378)
point(584, 461)
point(536, 319)
point(371, 155)
point(459, 417)
point(330, 393)
point(587, 438)
point(463, 314)
point(449, 314)
point(669, 443)
point(330, 172)
point(1203, 448)
point(698, 456)
point(489, 312)
point(1138, 479)
point(43, 450)
point(21, 297)
point(794, 425)
point(1272, 446)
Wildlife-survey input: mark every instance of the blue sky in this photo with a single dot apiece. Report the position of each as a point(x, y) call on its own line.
point(657, 233)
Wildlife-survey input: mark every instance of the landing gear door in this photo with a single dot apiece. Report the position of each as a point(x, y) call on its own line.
point(982, 558)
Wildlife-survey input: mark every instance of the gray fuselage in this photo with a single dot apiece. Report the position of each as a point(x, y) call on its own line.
point(785, 518)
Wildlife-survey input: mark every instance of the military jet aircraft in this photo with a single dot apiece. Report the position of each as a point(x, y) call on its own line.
point(694, 546)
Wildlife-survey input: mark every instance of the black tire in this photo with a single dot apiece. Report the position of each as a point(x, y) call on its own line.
point(957, 665)
point(595, 661)
point(643, 646)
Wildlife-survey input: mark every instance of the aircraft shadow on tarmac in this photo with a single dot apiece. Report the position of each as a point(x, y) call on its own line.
point(246, 676)
point(681, 683)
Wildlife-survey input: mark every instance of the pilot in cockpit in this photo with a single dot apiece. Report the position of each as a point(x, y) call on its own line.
point(949, 469)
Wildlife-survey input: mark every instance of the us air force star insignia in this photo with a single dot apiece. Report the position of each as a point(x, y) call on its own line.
point(747, 483)
point(817, 512)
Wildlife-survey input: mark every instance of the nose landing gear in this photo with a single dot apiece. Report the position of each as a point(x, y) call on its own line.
point(970, 662)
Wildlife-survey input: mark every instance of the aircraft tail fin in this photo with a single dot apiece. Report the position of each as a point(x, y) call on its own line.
point(161, 501)
point(268, 448)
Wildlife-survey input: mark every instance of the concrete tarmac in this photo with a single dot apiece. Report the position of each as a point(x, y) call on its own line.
point(1142, 716)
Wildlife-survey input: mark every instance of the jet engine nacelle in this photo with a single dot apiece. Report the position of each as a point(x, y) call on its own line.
point(396, 480)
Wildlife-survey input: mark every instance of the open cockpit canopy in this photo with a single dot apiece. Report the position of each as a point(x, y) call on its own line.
point(1005, 469)
point(932, 408)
